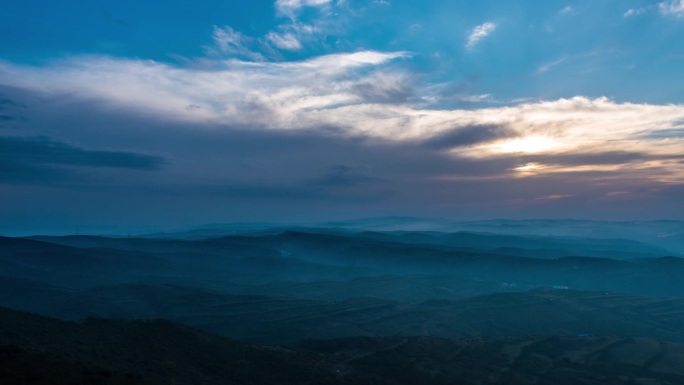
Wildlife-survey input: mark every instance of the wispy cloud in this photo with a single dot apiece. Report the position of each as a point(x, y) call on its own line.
point(229, 42)
point(669, 8)
point(291, 34)
point(288, 7)
point(554, 197)
point(269, 93)
point(567, 10)
point(286, 41)
point(548, 66)
point(478, 33)
point(672, 8)
point(634, 12)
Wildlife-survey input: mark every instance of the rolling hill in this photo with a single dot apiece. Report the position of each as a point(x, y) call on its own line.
point(145, 352)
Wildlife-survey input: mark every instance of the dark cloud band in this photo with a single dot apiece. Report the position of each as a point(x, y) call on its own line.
point(43, 150)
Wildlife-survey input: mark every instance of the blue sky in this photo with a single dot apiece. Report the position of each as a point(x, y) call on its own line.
point(588, 49)
point(339, 108)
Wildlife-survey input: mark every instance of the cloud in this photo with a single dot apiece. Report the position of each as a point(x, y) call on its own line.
point(567, 10)
point(42, 150)
point(384, 87)
point(469, 136)
point(614, 157)
point(229, 42)
point(259, 169)
point(366, 95)
point(634, 12)
point(289, 7)
point(478, 33)
point(292, 35)
point(289, 35)
point(554, 197)
point(245, 123)
point(229, 91)
point(41, 159)
point(453, 93)
point(286, 41)
point(475, 98)
point(672, 8)
point(546, 67)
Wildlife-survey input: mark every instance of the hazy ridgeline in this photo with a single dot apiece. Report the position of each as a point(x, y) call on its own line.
point(547, 301)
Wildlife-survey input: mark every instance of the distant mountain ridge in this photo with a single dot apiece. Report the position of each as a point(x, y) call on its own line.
point(477, 263)
point(668, 234)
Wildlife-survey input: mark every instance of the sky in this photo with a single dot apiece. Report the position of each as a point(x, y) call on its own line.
point(163, 114)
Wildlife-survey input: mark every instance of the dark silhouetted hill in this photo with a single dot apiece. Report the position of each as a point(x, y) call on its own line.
point(98, 351)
